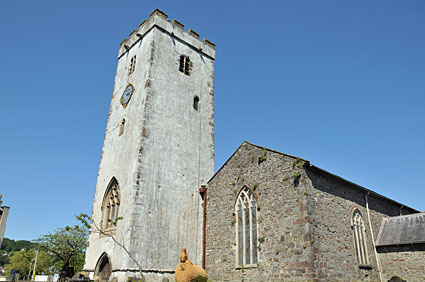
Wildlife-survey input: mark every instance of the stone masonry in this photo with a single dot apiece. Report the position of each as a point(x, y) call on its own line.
point(304, 220)
point(159, 149)
point(407, 262)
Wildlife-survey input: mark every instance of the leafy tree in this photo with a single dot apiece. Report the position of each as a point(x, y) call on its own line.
point(10, 246)
point(68, 246)
point(4, 258)
point(22, 261)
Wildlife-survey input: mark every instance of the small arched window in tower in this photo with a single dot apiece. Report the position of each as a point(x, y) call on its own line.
point(110, 206)
point(246, 228)
point(185, 65)
point(132, 65)
point(359, 236)
point(122, 125)
point(196, 103)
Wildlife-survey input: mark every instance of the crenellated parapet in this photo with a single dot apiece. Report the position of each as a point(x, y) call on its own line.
point(159, 19)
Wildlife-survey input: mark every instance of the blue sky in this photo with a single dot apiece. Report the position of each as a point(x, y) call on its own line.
point(340, 83)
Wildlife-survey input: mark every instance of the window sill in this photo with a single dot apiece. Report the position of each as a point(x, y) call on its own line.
point(108, 232)
point(248, 266)
point(365, 266)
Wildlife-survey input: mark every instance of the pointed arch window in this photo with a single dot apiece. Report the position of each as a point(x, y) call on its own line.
point(359, 234)
point(111, 205)
point(246, 228)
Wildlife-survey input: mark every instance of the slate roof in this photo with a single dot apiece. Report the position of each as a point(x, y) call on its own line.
point(402, 230)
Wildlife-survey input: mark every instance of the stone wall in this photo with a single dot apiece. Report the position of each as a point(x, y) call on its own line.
point(176, 155)
point(406, 262)
point(330, 204)
point(162, 155)
point(304, 220)
point(282, 218)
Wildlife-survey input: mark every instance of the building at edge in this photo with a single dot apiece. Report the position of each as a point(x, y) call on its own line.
point(4, 212)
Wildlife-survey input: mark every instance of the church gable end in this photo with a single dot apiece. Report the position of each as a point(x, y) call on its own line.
point(283, 242)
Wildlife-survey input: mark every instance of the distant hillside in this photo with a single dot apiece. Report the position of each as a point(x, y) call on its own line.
point(10, 245)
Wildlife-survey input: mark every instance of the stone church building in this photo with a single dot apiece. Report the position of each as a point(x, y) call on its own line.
point(275, 217)
point(263, 216)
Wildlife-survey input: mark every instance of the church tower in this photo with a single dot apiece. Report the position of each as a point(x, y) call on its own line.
point(158, 150)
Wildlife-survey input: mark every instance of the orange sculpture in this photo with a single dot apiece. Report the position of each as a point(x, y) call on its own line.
point(186, 271)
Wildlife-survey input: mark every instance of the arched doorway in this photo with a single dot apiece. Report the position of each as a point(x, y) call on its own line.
point(103, 268)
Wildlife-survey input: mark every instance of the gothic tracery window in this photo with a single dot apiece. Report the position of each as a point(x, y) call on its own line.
point(359, 234)
point(246, 228)
point(111, 205)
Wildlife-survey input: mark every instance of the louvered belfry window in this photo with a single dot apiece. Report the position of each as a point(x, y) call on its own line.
point(132, 65)
point(185, 65)
point(246, 228)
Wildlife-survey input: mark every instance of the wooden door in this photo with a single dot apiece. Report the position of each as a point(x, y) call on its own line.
point(104, 270)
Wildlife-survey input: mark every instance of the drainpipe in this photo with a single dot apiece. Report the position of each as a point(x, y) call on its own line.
point(373, 238)
point(203, 192)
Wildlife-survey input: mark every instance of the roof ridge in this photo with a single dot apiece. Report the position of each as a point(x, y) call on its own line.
point(278, 152)
point(406, 215)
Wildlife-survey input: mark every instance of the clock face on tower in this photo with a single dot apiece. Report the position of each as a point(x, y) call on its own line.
point(126, 95)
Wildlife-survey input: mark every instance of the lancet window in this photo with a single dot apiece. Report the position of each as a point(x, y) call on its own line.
point(246, 228)
point(359, 235)
point(111, 205)
point(196, 103)
point(122, 125)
